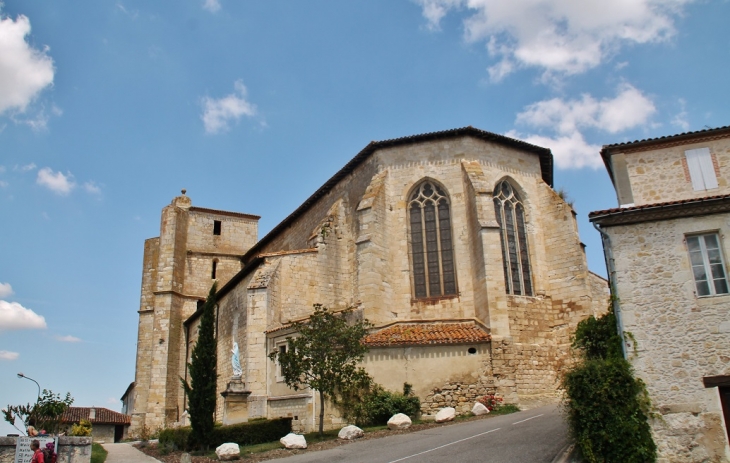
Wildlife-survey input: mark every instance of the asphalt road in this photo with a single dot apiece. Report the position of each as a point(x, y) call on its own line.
point(532, 436)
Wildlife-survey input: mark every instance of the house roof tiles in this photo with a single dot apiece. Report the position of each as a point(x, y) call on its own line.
point(101, 416)
point(427, 334)
point(664, 210)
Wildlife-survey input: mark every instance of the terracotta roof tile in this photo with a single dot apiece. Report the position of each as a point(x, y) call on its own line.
point(102, 416)
point(428, 334)
point(618, 210)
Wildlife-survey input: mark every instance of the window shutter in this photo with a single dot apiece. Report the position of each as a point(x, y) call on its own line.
point(695, 169)
point(708, 170)
point(701, 170)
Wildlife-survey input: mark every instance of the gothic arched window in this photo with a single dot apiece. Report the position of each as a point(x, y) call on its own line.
point(432, 252)
point(515, 258)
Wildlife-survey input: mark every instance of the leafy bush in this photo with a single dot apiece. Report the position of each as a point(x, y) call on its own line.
point(606, 406)
point(82, 429)
point(491, 401)
point(254, 432)
point(374, 405)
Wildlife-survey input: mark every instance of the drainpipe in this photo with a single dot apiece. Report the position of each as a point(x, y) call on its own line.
point(611, 267)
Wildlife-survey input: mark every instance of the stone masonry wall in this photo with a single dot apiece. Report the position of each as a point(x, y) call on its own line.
point(679, 337)
point(661, 174)
point(70, 449)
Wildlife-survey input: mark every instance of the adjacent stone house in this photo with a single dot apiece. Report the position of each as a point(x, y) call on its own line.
point(453, 244)
point(667, 247)
point(106, 425)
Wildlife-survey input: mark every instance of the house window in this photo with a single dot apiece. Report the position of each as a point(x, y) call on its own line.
point(515, 258)
point(701, 169)
point(432, 253)
point(279, 374)
point(216, 227)
point(708, 266)
point(214, 270)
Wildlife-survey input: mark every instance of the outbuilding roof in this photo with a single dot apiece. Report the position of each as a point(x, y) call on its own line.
point(425, 334)
point(101, 416)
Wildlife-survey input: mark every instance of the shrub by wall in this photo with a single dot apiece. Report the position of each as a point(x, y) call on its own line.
point(606, 405)
point(253, 432)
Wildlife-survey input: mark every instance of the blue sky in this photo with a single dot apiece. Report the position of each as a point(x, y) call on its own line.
point(109, 108)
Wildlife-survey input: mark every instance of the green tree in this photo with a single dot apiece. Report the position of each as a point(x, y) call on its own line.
point(201, 390)
point(44, 414)
point(324, 355)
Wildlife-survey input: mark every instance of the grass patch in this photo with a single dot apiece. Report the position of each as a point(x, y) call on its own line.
point(258, 448)
point(98, 453)
point(506, 409)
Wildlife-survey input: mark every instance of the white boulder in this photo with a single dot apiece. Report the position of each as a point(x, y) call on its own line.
point(399, 421)
point(350, 432)
point(294, 441)
point(479, 409)
point(445, 414)
point(186, 458)
point(228, 451)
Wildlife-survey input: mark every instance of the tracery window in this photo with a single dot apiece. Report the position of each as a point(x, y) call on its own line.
point(432, 253)
point(515, 258)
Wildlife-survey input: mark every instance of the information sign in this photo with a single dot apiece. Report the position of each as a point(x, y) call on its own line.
point(23, 453)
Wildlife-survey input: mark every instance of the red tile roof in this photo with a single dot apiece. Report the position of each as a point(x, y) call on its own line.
point(620, 210)
point(102, 416)
point(428, 334)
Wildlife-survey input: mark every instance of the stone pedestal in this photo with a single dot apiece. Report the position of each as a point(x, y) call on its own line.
point(235, 409)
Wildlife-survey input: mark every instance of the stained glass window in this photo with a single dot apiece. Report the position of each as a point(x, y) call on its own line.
point(515, 256)
point(432, 253)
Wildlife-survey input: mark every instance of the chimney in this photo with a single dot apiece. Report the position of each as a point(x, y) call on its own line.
point(92, 414)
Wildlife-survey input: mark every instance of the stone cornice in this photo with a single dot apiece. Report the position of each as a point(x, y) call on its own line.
point(658, 212)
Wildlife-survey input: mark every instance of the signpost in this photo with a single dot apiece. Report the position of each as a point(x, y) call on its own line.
point(23, 453)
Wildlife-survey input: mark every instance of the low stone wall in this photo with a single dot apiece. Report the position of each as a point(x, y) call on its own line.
point(461, 396)
point(70, 449)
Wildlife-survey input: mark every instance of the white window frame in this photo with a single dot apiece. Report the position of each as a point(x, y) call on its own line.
point(706, 264)
point(277, 346)
point(701, 169)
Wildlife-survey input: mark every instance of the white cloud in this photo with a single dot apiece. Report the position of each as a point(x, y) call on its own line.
point(92, 188)
point(25, 168)
point(68, 338)
point(5, 290)
point(630, 108)
point(2, 169)
point(57, 182)
point(7, 355)
point(24, 70)
point(217, 114)
point(14, 316)
point(4, 184)
point(565, 119)
point(112, 400)
point(212, 5)
point(569, 151)
point(680, 119)
point(559, 36)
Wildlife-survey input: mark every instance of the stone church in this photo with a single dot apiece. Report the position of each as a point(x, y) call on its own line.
point(453, 244)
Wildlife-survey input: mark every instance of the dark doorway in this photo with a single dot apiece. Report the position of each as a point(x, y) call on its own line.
point(725, 401)
point(118, 433)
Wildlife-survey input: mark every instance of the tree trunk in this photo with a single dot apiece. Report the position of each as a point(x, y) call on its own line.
point(321, 413)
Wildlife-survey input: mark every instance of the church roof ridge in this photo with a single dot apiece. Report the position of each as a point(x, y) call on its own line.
point(546, 166)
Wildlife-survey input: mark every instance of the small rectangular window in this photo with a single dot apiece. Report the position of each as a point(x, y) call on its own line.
point(708, 265)
point(279, 374)
point(216, 227)
point(701, 169)
point(214, 270)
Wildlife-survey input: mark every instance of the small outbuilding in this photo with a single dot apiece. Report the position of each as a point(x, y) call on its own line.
point(106, 425)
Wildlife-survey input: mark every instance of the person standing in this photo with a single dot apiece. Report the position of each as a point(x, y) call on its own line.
point(35, 446)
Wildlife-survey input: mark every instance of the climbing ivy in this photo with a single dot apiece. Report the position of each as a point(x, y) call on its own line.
point(607, 407)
